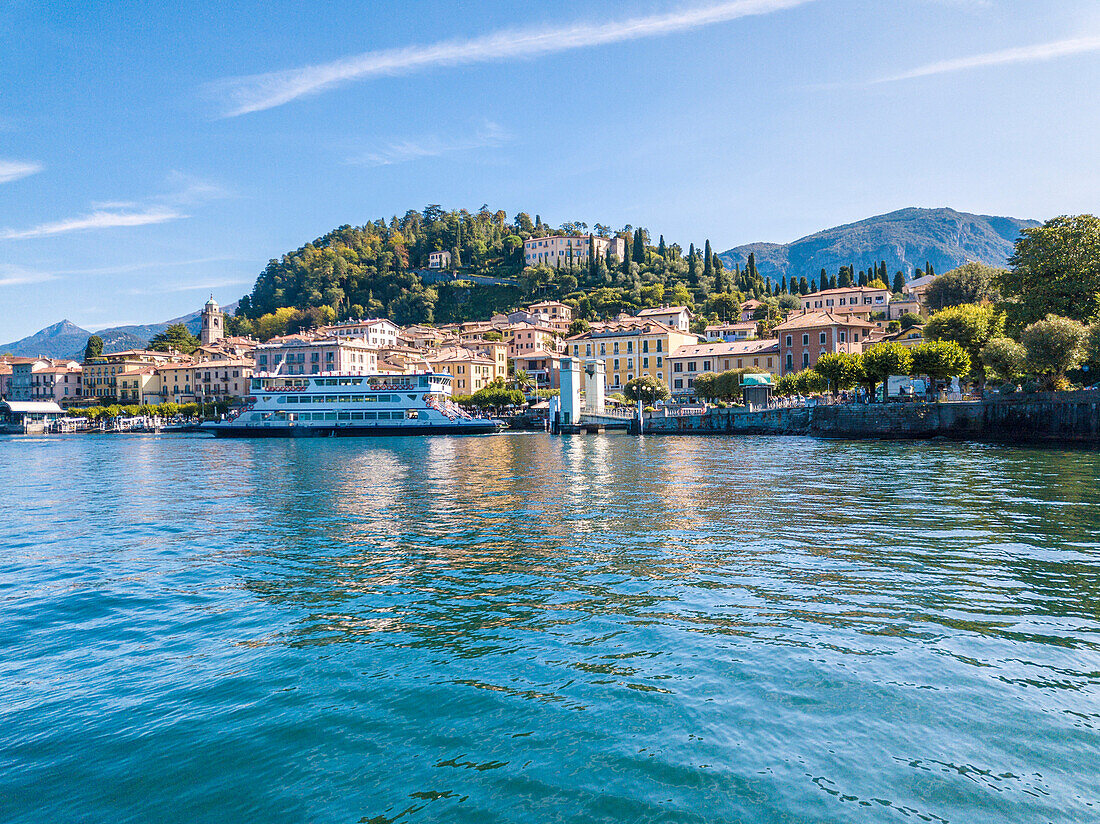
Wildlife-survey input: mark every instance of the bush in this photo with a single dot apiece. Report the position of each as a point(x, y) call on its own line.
point(1007, 388)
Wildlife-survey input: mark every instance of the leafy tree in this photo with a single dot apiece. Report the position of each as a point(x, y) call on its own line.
point(970, 283)
point(909, 320)
point(579, 326)
point(178, 337)
point(724, 304)
point(839, 369)
point(788, 303)
point(1092, 345)
point(706, 386)
point(1005, 358)
point(883, 360)
point(940, 360)
point(94, 347)
point(497, 397)
point(971, 326)
point(646, 389)
point(1054, 345)
point(810, 382)
point(1055, 270)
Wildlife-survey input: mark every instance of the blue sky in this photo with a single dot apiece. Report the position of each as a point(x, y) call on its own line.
point(153, 153)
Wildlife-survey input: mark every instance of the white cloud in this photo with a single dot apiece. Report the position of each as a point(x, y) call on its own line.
point(96, 220)
point(253, 93)
point(14, 169)
point(1005, 57)
point(18, 276)
point(432, 146)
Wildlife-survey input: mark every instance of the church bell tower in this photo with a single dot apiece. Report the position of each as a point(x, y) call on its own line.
point(213, 323)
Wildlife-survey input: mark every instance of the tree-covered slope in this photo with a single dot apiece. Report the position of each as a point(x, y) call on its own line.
point(905, 239)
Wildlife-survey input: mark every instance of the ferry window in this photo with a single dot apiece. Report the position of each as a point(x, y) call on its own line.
point(318, 416)
point(292, 399)
point(345, 416)
point(281, 399)
point(357, 416)
point(383, 416)
point(330, 416)
point(344, 399)
point(370, 416)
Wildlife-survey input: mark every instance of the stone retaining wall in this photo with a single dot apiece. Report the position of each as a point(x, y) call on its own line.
point(1053, 417)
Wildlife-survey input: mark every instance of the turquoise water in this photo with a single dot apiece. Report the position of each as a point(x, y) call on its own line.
point(535, 629)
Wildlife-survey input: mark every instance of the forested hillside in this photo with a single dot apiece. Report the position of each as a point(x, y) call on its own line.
point(375, 270)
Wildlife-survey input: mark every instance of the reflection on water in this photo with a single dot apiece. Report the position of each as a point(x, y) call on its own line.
point(525, 628)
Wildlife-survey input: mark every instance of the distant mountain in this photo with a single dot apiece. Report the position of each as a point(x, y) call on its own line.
point(905, 239)
point(67, 340)
point(57, 341)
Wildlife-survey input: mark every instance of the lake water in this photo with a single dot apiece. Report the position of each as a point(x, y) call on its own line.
point(533, 629)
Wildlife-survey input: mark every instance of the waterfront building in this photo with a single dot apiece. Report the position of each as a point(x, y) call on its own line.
point(804, 337)
point(470, 370)
point(100, 375)
point(231, 346)
point(312, 354)
point(5, 379)
point(421, 337)
point(630, 348)
point(377, 332)
point(692, 360)
point(213, 323)
point(188, 382)
point(44, 379)
point(140, 385)
point(678, 317)
point(728, 332)
point(862, 301)
point(563, 250)
point(439, 260)
point(542, 366)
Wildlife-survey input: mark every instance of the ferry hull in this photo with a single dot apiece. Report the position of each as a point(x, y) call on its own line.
point(244, 431)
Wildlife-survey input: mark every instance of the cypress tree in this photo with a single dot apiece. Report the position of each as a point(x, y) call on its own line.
point(783, 284)
point(752, 274)
point(626, 260)
point(639, 245)
point(538, 221)
point(662, 250)
point(803, 287)
point(899, 282)
point(832, 281)
point(593, 267)
point(708, 262)
point(862, 278)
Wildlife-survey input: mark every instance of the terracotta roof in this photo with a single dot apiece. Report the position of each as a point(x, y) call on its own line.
point(661, 310)
point(735, 349)
point(811, 320)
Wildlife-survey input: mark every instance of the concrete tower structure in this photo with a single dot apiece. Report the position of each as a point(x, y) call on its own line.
point(213, 323)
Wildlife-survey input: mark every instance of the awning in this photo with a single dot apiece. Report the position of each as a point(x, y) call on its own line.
point(32, 407)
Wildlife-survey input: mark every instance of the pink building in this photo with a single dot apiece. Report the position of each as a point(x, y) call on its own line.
point(315, 355)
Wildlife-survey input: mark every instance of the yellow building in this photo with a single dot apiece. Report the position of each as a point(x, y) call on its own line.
point(100, 374)
point(471, 370)
point(140, 385)
point(630, 348)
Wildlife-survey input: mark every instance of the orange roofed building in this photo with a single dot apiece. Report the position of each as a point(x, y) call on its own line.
point(805, 337)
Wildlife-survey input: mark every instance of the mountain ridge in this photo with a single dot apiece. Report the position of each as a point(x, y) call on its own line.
point(905, 238)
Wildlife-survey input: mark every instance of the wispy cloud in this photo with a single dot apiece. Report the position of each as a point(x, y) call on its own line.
point(14, 169)
point(1022, 54)
point(253, 93)
point(403, 151)
point(18, 276)
point(95, 220)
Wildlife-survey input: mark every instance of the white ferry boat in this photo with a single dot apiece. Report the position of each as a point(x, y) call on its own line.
point(347, 405)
